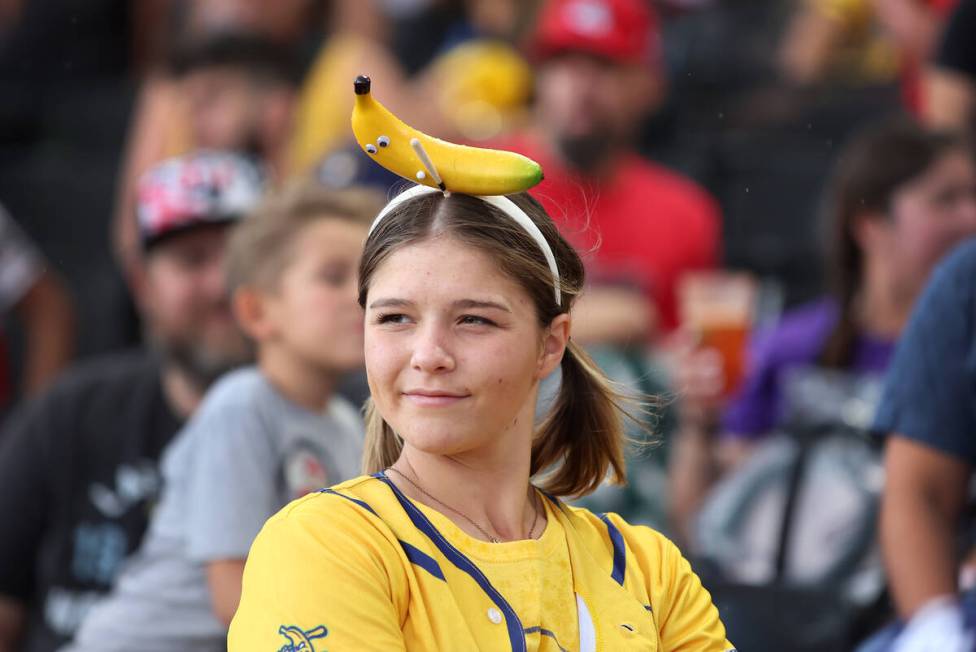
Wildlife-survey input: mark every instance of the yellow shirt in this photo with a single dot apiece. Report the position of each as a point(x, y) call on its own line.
point(362, 567)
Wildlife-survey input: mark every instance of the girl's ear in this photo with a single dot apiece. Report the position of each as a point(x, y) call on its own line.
point(554, 345)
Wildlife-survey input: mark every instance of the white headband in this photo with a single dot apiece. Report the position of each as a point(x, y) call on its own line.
point(502, 203)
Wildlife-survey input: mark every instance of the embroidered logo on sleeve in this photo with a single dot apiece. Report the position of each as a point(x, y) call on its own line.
point(300, 640)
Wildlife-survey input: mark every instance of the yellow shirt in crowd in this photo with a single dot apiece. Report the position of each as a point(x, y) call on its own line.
point(865, 52)
point(362, 567)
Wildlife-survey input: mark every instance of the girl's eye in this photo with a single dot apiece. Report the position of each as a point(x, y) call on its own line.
point(476, 320)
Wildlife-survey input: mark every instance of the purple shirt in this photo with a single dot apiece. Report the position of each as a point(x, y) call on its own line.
point(798, 340)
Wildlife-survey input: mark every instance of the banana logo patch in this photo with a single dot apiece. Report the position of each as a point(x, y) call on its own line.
point(300, 640)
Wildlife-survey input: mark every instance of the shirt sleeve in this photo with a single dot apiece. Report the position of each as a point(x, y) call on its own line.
point(958, 48)
point(231, 488)
point(326, 575)
point(930, 388)
point(687, 619)
point(23, 495)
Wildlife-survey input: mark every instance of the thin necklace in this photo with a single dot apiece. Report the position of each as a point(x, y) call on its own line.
point(491, 538)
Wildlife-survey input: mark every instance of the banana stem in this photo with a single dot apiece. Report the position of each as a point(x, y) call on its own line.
point(418, 147)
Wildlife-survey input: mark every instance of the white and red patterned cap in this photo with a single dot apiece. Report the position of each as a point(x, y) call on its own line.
point(198, 189)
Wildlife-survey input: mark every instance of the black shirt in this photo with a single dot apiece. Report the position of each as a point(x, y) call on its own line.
point(958, 49)
point(78, 474)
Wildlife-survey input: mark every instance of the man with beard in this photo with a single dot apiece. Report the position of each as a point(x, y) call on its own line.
point(78, 466)
point(599, 74)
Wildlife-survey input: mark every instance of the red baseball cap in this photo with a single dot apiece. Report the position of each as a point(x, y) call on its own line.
point(197, 189)
point(620, 30)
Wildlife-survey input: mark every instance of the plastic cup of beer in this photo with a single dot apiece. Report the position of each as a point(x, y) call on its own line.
point(717, 308)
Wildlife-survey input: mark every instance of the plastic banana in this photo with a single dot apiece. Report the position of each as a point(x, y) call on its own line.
point(433, 162)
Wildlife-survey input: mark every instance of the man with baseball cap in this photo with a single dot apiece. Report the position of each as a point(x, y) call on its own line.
point(78, 466)
point(599, 74)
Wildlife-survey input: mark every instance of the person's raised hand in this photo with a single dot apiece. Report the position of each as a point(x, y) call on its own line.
point(698, 378)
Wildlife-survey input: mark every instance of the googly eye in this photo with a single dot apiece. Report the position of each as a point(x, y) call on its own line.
point(371, 148)
point(383, 141)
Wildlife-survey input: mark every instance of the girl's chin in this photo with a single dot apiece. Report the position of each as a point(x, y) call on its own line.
point(439, 442)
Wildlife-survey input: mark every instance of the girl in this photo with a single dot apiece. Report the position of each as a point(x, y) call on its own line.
point(458, 538)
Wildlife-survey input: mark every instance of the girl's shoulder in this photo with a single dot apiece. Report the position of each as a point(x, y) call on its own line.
point(345, 519)
point(614, 536)
point(652, 569)
point(332, 505)
point(363, 507)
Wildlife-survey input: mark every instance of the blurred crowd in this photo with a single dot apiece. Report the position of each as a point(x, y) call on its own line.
point(773, 199)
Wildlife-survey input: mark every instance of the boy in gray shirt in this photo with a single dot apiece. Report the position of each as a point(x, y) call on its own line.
point(263, 436)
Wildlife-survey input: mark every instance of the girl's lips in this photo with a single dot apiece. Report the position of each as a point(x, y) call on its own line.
point(432, 399)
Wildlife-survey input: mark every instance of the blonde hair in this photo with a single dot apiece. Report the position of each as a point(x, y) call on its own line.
point(260, 246)
point(582, 437)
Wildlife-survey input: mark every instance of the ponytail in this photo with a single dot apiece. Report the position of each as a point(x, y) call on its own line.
point(382, 446)
point(583, 435)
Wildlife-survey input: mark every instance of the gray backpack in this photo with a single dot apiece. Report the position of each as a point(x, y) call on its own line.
point(799, 518)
